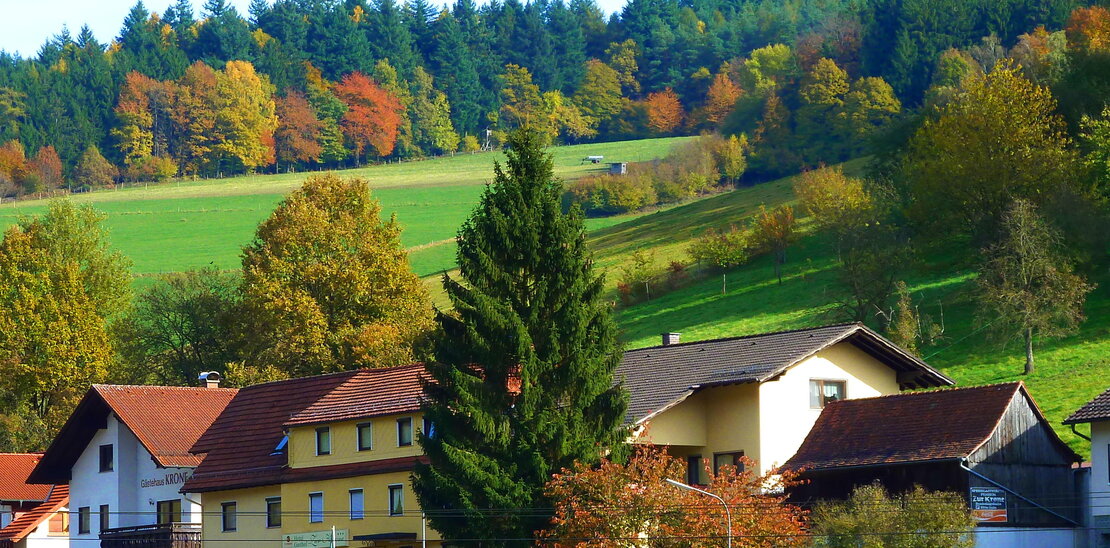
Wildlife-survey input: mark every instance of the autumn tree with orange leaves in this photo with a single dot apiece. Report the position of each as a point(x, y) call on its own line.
point(720, 99)
point(664, 111)
point(1088, 29)
point(373, 117)
point(630, 505)
point(297, 138)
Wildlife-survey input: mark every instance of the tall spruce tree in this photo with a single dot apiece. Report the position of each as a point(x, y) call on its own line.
point(522, 384)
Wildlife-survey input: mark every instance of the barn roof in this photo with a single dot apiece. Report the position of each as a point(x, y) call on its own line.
point(14, 469)
point(28, 521)
point(911, 427)
point(662, 376)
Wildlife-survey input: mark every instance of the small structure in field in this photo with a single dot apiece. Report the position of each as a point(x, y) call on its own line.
point(618, 168)
point(593, 159)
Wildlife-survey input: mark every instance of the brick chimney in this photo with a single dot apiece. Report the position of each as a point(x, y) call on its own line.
point(211, 379)
point(671, 338)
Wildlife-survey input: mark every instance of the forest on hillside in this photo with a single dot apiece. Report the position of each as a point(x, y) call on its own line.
point(328, 83)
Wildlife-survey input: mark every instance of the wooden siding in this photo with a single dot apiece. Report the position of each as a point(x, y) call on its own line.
point(1026, 457)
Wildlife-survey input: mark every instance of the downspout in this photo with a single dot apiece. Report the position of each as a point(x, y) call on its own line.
point(1078, 433)
point(963, 464)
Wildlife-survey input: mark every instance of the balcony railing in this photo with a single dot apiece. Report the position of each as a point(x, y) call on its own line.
point(162, 535)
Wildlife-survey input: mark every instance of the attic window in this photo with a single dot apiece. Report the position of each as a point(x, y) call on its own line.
point(281, 445)
point(821, 392)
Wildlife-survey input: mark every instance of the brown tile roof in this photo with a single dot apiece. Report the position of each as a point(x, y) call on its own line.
point(167, 420)
point(660, 376)
point(14, 469)
point(1095, 410)
point(368, 393)
point(27, 522)
point(908, 427)
point(239, 447)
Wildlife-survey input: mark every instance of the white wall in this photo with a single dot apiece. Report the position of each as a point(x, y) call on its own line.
point(1016, 537)
point(41, 537)
point(131, 490)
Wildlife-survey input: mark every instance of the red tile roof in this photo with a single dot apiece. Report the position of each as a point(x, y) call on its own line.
point(239, 447)
point(167, 420)
point(909, 427)
point(27, 522)
point(14, 469)
point(369, 393)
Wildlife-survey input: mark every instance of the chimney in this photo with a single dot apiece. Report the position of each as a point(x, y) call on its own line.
point(211, 379)
point(671, 338)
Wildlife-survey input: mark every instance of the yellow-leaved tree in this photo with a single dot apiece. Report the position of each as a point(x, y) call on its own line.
point(245, 118)
point(327, 285)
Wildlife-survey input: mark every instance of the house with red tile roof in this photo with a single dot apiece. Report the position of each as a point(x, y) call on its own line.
point(44, 526)
point(124, 451)
point(990, 443)
point(16, 494)
point(286, 461)
point(711, 402)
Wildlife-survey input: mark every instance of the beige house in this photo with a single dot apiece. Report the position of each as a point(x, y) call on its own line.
point(758, 396)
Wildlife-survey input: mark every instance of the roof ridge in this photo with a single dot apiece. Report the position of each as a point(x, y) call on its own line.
point(749, 336)
point(912, 393)
point(100, 386)
point(294, 379)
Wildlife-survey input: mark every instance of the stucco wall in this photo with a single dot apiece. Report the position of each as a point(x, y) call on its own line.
point(251, 527)
point(41, 537)
point(344, 442)
point(785, 414)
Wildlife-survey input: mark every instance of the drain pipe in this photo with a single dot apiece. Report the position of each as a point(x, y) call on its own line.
point(963, 464)
point(1078, 433)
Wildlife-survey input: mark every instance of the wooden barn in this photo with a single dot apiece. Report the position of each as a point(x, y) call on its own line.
point(990, 443)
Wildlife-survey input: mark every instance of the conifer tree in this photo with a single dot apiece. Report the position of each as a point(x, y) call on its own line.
point(522, 384)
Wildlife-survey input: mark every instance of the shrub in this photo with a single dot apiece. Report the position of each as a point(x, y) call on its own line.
point(723, 249)
point(151, 168)
point(611, 194)
point(469, 143)
point(872, 517)
point(636, 277)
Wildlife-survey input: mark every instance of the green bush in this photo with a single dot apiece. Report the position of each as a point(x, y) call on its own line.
point(151, 168)
point(872, 517)
point(611, 194)
point(722, 249)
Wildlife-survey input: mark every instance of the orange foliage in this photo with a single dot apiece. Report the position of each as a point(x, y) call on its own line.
point(721, 98)
point(1089, 29)
point(298, 132)
point(48, 166)
point(13, 161)
point(373, 116)
point(599, 506)
point(664, 111)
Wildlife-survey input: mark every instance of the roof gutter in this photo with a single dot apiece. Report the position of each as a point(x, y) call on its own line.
point(963, 464)
point(1078, 433)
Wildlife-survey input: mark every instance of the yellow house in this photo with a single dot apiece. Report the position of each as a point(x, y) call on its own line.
point(294, 462)
point(758, 396)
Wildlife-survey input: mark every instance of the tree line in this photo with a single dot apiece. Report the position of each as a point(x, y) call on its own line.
point(299, 83)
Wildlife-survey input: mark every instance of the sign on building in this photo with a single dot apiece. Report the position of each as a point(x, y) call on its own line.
point(988, 504)
point(316, 539)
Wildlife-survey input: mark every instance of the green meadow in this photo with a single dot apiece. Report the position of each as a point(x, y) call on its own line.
point(184, 225)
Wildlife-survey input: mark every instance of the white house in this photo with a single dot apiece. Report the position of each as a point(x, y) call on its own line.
point(1097, 413)
point(44, 526)
point(125, 454)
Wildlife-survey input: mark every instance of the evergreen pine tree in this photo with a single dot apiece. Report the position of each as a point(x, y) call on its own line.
point(390, 38)
point(458, 77)
point(522, 384)
point(420, 14)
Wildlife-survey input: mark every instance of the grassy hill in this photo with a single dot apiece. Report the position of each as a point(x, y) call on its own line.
point(190, 224)
point(1069, 372)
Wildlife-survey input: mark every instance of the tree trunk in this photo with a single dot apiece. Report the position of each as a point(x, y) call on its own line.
point(1028, 351)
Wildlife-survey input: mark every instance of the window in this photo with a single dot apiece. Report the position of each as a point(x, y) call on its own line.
point(315, 507)
point(693, 469)
point(822, 392)
point(169, 511)
point(323, 441)
point(356, 503)
point(58, 525)
point(396, 500)
point(107, 462)
point(365, 436)
point(105, 518)
point(733, 458)
point(229, 517)
point(84, 520)
point(429, 430)
point(404, 432)
point(273, 512)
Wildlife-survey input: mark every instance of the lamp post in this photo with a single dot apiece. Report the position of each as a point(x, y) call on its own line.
point(728, 513)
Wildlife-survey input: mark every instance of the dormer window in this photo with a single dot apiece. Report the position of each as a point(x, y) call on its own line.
point(822, 391)
point(280, 448)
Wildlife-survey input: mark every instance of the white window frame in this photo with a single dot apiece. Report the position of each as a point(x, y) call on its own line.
point(270, 500)
point(317, 433)
point(389, 504)
point(411, 436)
point(821, 392)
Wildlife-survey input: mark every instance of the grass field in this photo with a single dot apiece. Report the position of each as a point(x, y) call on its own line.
point(190, 224)
point(1069, 372)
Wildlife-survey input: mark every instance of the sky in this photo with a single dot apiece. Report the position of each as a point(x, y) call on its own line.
point(26, 24)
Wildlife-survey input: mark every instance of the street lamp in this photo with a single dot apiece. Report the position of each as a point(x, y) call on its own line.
point(728, 514)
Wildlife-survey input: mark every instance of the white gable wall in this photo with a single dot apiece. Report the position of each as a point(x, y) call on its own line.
point(131, 490)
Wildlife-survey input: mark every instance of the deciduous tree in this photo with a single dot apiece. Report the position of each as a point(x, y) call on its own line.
point(873, 517)
point(664, 111)
point(94, 170)
point(720, 99)
point(836, 201)
point(599, 96)
point(774, 232)
point(373, 115)
point(298, 132)
point(245, 119)
point(327, 284)
point(1027, 287)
